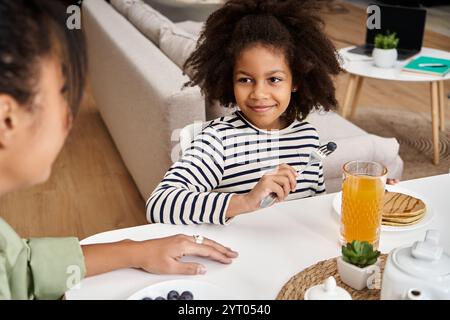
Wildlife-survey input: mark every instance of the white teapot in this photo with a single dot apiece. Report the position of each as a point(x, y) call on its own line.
point(418, 272)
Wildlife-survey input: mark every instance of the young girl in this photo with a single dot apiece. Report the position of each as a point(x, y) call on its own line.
point(42, 67)
point(272, 60)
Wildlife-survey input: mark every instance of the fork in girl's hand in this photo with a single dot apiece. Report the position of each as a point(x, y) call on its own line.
point(316, 156)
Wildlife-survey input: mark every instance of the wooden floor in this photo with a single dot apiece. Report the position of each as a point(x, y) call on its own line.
point(90, 190)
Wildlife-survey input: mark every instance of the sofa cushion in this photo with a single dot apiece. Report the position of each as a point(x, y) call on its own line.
point(177, 44)
point(331, 126)
point(148, 21)
point(367, 147)
point(192, 27)
point(123, 6)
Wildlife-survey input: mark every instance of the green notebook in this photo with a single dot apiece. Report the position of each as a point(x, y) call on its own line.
point(423, 64)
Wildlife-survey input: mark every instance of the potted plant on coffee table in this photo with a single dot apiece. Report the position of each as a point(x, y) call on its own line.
point(385, 52)
point(357, 263)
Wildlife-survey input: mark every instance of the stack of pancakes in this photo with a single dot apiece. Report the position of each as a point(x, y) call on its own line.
point(402, 210)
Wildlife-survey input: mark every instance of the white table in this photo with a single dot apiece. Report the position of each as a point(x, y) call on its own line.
point(274, 244)
point(360, 68)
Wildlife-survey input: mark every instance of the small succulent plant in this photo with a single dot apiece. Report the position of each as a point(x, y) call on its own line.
point(388, 41)
point(360, 253)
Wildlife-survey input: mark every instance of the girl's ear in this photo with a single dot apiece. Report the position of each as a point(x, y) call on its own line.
point(8, 119)
point(294, 88)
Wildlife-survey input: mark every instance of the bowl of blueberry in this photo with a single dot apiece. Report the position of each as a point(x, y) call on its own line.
point(173, 295)
point(180, 290)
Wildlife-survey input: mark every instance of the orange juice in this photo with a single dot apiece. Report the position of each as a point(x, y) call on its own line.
point(362, 205)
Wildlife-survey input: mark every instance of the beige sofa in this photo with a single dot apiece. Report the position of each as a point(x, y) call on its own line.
point(180, 10)
point(135, 55)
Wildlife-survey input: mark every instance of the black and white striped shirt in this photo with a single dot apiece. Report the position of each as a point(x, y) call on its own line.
point(229, 157)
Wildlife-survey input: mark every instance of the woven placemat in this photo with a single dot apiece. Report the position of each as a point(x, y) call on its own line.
point(296, 287)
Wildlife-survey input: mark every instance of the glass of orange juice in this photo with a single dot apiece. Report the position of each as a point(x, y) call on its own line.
point(362, 201)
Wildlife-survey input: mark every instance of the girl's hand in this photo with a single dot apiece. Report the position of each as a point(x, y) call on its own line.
point(280, 182)
point(162, 256)
point(392, 181)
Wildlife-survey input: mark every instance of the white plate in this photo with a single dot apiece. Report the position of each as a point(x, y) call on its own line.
point(200, 290)
point(429, 214)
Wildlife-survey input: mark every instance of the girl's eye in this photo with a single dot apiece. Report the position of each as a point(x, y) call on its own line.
point(64, 89)
point(275, 80)
point(244, 80)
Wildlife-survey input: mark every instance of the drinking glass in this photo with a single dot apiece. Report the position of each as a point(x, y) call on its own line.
point(362, 201)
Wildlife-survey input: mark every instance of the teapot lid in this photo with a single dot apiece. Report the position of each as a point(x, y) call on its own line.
point(327, 291)
point(425, 258)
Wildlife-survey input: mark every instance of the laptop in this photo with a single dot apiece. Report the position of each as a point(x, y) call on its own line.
point(407, 23)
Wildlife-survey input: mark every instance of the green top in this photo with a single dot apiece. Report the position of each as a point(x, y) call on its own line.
point(38, 268)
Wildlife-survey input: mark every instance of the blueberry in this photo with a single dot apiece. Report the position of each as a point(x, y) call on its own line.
point(186, 295)
point(173, 295)
point(159, 298)
point(147, 298)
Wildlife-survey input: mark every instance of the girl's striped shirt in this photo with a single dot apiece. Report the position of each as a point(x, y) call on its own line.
point(229, 157)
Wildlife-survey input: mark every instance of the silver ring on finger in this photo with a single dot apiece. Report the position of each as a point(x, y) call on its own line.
point(198, 238)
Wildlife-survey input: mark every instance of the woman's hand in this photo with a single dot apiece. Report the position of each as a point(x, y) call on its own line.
point(162, 256)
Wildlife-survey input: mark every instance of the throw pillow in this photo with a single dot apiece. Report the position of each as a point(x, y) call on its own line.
point(123, 6)
point(177, 45)
point(192, 27)
point(148, 21)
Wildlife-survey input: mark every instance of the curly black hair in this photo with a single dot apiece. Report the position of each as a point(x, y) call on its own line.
point(31, 30)
point(294, 26)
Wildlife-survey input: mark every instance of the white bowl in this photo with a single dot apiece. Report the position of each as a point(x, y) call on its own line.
point(200, 290)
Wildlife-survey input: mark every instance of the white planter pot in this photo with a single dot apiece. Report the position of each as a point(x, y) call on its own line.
point(384, 58)
point(356, 277)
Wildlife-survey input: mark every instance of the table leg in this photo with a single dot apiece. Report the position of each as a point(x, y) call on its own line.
point(359, 82)
point(349, 94)
point(435, 119)
point(442, 105)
